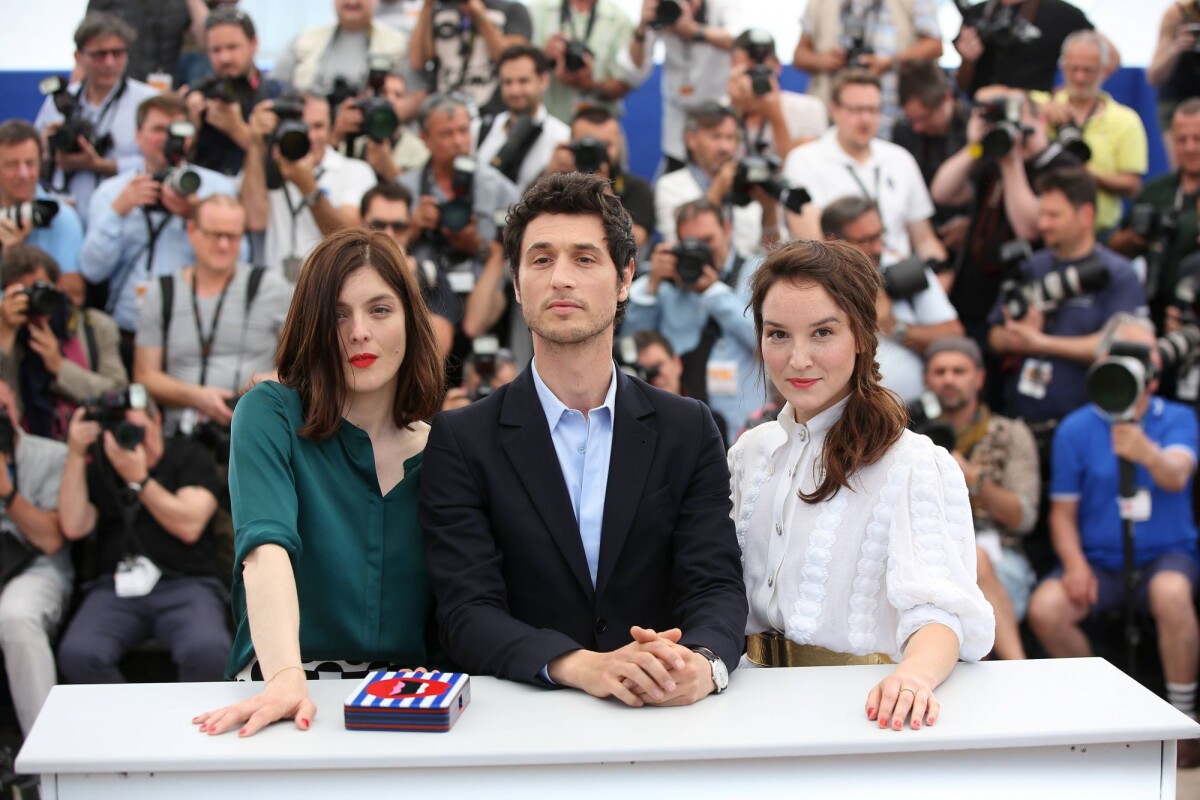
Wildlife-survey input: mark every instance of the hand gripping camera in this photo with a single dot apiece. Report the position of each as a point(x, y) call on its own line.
point(109, 410)
point(176, 176)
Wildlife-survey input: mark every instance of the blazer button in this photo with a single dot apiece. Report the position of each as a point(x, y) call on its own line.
point(601, 625)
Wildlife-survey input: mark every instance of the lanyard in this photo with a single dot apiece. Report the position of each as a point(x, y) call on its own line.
point(854, 174)
point(113, 99)
point(867, 13)
point(153, 233)
point(295, 210)
point(566, 19)
point(760, 140)
point(206, 343)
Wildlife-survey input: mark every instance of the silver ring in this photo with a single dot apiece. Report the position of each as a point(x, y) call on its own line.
point(906, 689)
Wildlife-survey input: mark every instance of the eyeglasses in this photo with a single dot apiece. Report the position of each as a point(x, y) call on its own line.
point(217, 236)
point(865, 240)
point(115, 53)
point(873, 111)
point(397, 226)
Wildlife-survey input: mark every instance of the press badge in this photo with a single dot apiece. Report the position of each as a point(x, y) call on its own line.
point(1136, 508)
point(139, 294)
point(723, 378)
point(161, 81)
point(1035, 378)
point(136, 576)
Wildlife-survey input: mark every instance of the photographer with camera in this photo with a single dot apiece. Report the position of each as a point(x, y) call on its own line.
point(346, 49)
point(390, 147)
point(587, 41)
point(993, 174)
point(1159, 439)
point(712, 140)
point(194, 368)
point(850, 159)
point(697, 37)
point(231, 92)
point(1056, 342)
point(36, 581)
point(148, 506)
point(873, 35)
point(524, 135)
point(28, 214)
point(54, 353)
point(456, 44)
point(1162, 222)
point(1017, 43)
point(1106, 136)
point(912, 309)
point(91, 125)
point(598, 146)
point(696, 293)
point(136, 229)
point(296, 188)
point(771, 119)
point(485, 370)
point(999, 460)
point(1174, 71)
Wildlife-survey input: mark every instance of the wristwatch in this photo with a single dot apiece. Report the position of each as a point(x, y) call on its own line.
point(720, 675)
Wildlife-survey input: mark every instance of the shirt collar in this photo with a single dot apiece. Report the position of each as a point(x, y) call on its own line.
point(555, 408)
point(834, 147)
point(818, 425)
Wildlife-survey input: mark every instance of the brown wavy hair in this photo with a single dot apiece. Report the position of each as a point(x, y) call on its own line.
point(310, 356)
point(874, 417)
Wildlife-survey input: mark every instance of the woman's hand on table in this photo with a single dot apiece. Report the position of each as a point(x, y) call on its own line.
point(897, 696)
point(283, 697)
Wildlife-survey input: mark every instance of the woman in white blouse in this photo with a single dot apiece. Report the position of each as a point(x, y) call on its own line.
point(856, 534)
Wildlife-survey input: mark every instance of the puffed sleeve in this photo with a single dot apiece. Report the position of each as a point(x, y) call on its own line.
point(931, 550)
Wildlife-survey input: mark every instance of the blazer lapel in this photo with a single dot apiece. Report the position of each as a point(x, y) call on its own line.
point(633, 443)
point(526, 440)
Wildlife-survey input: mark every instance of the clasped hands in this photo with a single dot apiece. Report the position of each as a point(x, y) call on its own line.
point(653, 669)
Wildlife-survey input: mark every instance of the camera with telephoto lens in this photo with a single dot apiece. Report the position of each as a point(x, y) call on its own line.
point(760, 79)
point(66, 138)
point(691, 257)
point(1116, 381)
point(175, 176)
point(667, 14)
point(625, 353)
point(1049, 291)
point(1004, 29)
point(380, 121)
point(1179, 346)
point(573, 56)
point(759, 45)
point(291, 134)
point(590, 154)
point(455, 214)
point(225, 89)
point(484, 350)
point(1071, 139)
point(1005, 129)
point(444, 29)
point(905, 279)
point(1146, 221)
point(764, 172)
point(109, 410)
point(522, 133)
point(1186, 298)
point(854, 41)
point(923, 414)
point(44, 299)
point(34, 213)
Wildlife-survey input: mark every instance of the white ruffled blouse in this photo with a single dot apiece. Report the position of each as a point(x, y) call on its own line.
point(860, 572)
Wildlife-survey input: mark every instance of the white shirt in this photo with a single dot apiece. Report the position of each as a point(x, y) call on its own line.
point(890, 177)
point(342, 180)
point(902, 369)
point(804, 115)
point(554, 132)
point(676, 188)
point(864, 570)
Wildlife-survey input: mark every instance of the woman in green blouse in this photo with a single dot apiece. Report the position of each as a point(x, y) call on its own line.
point(324, 476)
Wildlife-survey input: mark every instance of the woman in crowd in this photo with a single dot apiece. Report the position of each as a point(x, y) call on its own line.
point(856, 534)
point(324, 478)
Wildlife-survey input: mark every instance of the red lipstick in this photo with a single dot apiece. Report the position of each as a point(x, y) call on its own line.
point(363, 360)
point(802, 383)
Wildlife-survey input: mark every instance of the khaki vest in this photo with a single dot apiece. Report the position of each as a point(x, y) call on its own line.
point(311, 44)
point(827, 30)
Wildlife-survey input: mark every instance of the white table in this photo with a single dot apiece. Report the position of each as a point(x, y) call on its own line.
point(1065, 728)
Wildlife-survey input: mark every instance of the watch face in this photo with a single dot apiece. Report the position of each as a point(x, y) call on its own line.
point(720, 675)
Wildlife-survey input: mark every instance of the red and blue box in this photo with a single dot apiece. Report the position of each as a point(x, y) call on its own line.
point(408, 701)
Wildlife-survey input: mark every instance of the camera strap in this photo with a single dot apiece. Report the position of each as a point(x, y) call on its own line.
point(112, 100)
point(152, 233)
point(206, 342)
point(871, 11)
point(862, 186)
point(296, 209)
point(566, 21)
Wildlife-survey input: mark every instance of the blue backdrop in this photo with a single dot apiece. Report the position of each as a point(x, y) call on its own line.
point(643, 121)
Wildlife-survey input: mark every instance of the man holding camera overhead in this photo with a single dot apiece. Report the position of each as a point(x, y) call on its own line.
point(148, 506)
point(231, 92)
point(1055, 338)
point(91, 126)
point(696, 293)
point(1159, 438)
point(206, 332)
point(136, 228)
point(875, 35)
point(296, 187)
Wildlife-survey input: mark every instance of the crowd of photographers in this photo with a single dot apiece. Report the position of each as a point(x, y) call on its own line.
point(158, 208)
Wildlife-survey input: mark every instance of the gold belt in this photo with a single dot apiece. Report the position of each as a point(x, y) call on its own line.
point(773, 649)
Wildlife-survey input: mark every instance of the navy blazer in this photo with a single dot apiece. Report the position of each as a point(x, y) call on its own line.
point(505, 557)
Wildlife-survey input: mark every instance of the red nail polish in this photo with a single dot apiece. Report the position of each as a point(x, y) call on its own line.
point(871, 712)
point(304, 723)
point(242, 732)
point(883, 723)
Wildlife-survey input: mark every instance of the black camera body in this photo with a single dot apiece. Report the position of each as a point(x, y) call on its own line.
point(1049, 291)
point(1070, 137)
point(854, 41)
point(691, 257)
point(763, 171)
point(109, 410)
point(1004, 116)
point(1004, 29)
point(625, 353)
point(291, 134)
point(1146, 221)
point(224, 89)
point(36, 213)
point(590, 154)
point(667, 14)
point(573, 56)
point(380, 121)
point(523, 132)
point(760, 79)
point(905, 279)
point(484, 352)
point(44, 298)
point(66, 138)
point(455, 214)
point(1116, 381)
point(176, 176)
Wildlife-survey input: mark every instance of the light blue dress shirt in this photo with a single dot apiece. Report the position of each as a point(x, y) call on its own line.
point(584, 448)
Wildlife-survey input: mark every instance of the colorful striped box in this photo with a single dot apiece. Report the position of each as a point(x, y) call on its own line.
point(408, 701)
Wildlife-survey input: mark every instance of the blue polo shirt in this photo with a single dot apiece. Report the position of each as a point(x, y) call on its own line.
point(63, 237)
point(1078, 316)
point(1085, 469)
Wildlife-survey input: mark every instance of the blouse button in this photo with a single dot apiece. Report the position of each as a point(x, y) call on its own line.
point(778, 529)
point(803, 434)
point(770, 470)
point(770, 580)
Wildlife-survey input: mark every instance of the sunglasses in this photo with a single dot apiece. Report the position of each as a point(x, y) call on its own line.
point(397, 226)
point(115, 53)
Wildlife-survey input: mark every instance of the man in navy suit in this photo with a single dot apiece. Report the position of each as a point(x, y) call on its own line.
point(576, 520)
